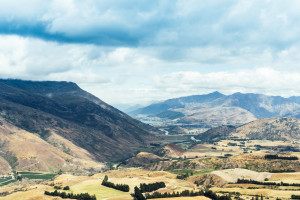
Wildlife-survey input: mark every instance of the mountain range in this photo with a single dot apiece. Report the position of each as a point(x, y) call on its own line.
point(216, 109)
point(64, 122)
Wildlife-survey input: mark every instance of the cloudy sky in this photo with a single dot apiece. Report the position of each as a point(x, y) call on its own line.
point(138, 51)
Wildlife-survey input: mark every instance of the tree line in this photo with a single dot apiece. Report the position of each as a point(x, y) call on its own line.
point(269, 156)
point(246, 181)
point(139, 196)
point(282, 171)
point(295, 196)
point(121, 187)
point(188, 193)
point(151, 187)
point(64, 195)
point(184, 176)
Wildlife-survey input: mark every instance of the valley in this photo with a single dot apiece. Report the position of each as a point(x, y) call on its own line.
point(58, 141)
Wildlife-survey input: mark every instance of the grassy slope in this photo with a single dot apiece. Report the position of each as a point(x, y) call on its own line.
point(95, 187)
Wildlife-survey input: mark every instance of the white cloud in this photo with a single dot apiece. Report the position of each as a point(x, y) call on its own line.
point(261, 80)
point(139, 51)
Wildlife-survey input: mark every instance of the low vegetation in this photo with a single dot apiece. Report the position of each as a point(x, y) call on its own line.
point(268, 156)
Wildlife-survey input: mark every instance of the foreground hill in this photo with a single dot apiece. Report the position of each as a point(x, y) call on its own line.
point(217, 109)
point(67, 117)
point(221, 182)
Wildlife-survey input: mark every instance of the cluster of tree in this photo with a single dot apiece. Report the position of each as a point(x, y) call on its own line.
point(295, 196)
point(232, 144)
point(64, 195)
point(187, 193)
point(269, 156)
point(151, 187)
point(257, 197)
point(184, 176)
point(283, 170)
point(66, 188)
point(138, 194)
point(121, 187)
point(246, 181)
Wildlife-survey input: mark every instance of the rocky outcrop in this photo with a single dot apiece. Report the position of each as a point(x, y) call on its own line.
point(206, 180)
point(143, 159)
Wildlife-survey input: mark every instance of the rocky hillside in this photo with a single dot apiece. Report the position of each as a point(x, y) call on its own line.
point(271, 129)
point(143, 159)
point(216, 133)
point(63, 114)
point(264, 129)
point(171, 150)
point(216, 109)
point(25, 151)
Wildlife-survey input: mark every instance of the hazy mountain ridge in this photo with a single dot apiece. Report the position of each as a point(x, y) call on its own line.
point(237, 108)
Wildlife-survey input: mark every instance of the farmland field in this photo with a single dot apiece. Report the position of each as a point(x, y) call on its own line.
point(4, 182)
point(34, 175)
point(101, 192)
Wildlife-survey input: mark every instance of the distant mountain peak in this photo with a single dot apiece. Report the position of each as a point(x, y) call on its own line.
point(216, 93)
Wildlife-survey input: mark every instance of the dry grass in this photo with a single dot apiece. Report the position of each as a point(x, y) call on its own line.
point(134, 177)
point(231, 175)
point(35, 154)
point(264, 192)
point(286, 177)
point(31, 194)
point(186, 198)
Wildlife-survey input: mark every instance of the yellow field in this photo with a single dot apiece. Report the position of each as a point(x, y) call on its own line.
point(95, 187)
point(286, 177)
point(32, 194)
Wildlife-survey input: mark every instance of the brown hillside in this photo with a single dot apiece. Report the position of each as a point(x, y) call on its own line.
point(271, 129)
point(25, 151)
point(143, 159)
point(171, 150)
point(208, 180)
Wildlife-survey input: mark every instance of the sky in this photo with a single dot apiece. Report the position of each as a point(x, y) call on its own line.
point(138, 52)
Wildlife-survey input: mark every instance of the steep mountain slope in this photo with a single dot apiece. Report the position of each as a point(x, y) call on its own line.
point(73, 114)
point(235, 109)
